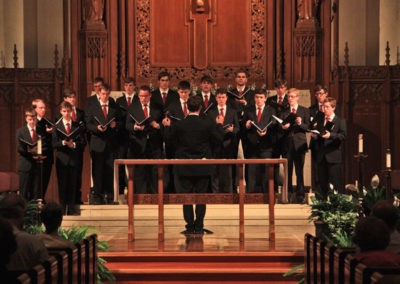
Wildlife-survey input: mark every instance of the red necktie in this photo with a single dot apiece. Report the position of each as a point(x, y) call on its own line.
point(164, 97)
point(73, 115)
point(145, 111)
point(206, 101)
point(33, 135)
point(294, 110)
point(221, 112)
point(327, 119)
point(280, 100)
point(259, 114)
point(240, 94)
point(185, 110)
point(68, 128)
point(105, 111)
point(320, 108)
point(129, 101)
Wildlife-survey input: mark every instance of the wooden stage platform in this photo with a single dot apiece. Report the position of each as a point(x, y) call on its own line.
point(216, 258)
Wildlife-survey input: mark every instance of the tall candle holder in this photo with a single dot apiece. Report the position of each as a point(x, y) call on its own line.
point(39, 160)
point(388, 170)
point(360, 157)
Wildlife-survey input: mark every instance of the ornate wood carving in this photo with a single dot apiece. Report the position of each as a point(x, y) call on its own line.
point(147, 71)
point(96, 46)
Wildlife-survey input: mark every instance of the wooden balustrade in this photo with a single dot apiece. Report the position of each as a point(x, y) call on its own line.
point(211, 198)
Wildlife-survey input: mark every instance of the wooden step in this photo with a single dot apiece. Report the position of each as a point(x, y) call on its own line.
point(192, 267)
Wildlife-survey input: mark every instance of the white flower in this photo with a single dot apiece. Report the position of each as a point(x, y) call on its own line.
point(351, 187)
point(396, 202)
point(375, 181)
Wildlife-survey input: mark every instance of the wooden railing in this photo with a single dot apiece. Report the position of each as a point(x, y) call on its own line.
point(240, 198)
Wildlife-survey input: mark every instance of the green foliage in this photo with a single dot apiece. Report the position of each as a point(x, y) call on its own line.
point(32, 223)
point(297, 271)
point(339, 212)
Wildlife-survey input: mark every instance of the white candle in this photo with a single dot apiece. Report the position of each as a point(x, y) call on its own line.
point(360, 143)
point(388, 159)
point(356, 184)
point(39, 145)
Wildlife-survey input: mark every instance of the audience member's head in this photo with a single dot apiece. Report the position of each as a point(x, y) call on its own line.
point(52, 216)
point(8, 244)
point(12, 208)
point(371, 234)
point(194, 104)
point(387, 212)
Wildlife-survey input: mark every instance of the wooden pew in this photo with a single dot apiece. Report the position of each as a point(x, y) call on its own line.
point(51, 270)
point(81, 246)
point(363, 273)
point(24, 278)
point(338, 263)
point(91, 259)
point(349, 269)
point(329, 272)
point(320, 259)
point(72, 256)
point(379, 278)
point(37, 274)
point(62, 264)
point(307, 257)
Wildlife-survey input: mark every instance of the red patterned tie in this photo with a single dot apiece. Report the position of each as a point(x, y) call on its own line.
point(33, 135)
point(185, 110)
point(206, 101)
point(68, 128)
point(73, 115)
point(294, 110)
point(327, 119)
point(221, 112)
point(145, 111)
point(280, 100)
point(164, 97)
point(259, 114)
point(105, 111)
point(129, 101)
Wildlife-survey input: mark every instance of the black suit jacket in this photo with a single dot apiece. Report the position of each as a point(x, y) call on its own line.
point(26, 161)
point(254, 139)
point(141, 138)
point(193, 137)
point(331, 148)
point(233, 95)
point(296, 134)
point(46, 140)
point(65, 155)
point(123, 134)
point(156, 98)
point(273, 101)
point(100, 140)
point(211, 103)
point(226, 149)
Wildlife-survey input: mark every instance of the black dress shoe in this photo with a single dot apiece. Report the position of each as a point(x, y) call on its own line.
point(207, 232)
point(188, 232)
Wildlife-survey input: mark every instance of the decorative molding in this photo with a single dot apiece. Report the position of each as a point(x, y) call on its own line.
point(146, 72)
point(307, 43)
point(368, 72)
point(367, 94)
point(96, 46)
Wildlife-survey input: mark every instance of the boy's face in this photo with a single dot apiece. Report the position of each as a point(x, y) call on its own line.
point(65, 113)
point(328, 109)
point(241, 79)
point(205, 86)
point(129, 88)
point(31, 121)
point(104, 94)
point(281, 90)
point(40, 109)
point(321, 96)
point(96, 87)
point(164, 82)
point(71, 99)
point(260, 99)
point(144, 97)
point(221, 99)
point(293, 99)
point(184, 94)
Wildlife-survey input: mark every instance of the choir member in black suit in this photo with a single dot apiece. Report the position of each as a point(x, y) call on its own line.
point(143, 123)
point(193, 137)
point(44, 129)
point(206, 95)
point(163, 95)
point(222, 179)
point(102, 117)
point(28, 169)
point(328, 147)
point(280, 103)
point(128, 97)
point(316, 112)
point(259, 140)
point(295, 125)
point(78, 116)
point(239, 98)
point(69, 141)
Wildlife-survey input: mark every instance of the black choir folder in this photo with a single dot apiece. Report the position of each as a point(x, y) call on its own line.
point(208, 108)
point(31, 144)
point(173, 117)
point(140, 123)
point(291, 118)
point(259, 128)
point(238, 96)
point(73, 133)
point(328, 127)
point(104, 125)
